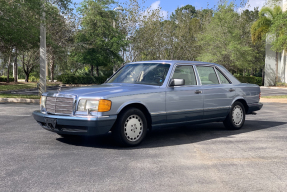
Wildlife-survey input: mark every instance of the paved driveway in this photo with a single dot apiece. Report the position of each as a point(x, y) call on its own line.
point(272, 91)
point(195, 158)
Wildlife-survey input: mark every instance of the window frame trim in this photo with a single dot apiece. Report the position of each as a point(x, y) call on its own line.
point(230, 82)
point(184, 64)
point(212, 66)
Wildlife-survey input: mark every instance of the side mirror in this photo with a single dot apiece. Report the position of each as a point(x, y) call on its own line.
point(177, 82)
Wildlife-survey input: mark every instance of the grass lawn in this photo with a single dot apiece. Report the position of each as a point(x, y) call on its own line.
point(19, 96)
point(16, 86)
point(275, 97)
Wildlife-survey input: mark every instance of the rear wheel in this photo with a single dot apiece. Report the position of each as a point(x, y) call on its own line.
point(130, 128)
point(236, 117)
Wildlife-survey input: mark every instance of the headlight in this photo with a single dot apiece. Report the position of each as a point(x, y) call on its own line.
point(102, 105)
point(43, 102)
point(92, 105)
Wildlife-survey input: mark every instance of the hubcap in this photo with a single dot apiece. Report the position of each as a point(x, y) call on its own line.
point(133, 128)
point(237, 115)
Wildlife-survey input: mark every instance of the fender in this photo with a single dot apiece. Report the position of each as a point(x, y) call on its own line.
point(130, 102)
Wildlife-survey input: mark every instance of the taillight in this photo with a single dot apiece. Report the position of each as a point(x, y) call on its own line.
point(259, 95)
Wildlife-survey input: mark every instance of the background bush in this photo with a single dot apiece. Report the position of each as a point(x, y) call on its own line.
point(4, 79)
point(33, 79)
point(251, 79)
point(80, 79)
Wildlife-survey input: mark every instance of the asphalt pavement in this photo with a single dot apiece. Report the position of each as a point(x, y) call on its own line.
point(272, 91)
point(195, 158)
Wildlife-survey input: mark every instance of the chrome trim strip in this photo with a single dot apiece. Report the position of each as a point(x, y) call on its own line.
point(199, 120)
point(219, 81)
point(102, 117)
point(186, 110)
point(212, 108)
point(193, 110)
point(158, 113)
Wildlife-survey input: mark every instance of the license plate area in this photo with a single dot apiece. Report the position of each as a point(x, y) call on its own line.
point(51, 123)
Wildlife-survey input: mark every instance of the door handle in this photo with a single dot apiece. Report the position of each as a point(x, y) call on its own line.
point(231, 89)
point(198, 92)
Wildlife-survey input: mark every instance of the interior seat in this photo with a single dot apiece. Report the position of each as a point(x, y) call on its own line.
point(213, 78)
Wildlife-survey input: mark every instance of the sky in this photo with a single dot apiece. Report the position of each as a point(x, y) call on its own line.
point(169, 6)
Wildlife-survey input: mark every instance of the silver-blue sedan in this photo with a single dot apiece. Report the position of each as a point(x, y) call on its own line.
point(149, 94)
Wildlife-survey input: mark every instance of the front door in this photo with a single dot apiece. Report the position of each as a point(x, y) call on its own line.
point(184, 103)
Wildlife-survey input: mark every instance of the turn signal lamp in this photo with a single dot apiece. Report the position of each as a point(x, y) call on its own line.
point(104, 105)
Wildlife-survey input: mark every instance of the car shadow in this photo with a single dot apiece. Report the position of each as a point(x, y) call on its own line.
point(173, 135)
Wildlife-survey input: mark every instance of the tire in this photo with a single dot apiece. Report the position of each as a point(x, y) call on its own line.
point(236, 117)
point(130, 128)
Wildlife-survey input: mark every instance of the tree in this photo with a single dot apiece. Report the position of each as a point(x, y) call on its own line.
point(257, 60)
point(187, 10)
point(59, 35)
point(261, 28)
point(29, 60)
point(98, 41)
point(18, 27)
point(221, 40)
point(279, 26)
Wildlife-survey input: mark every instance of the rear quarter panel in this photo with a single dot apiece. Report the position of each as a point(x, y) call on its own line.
point(249, 92)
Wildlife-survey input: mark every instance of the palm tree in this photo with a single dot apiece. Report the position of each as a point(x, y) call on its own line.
point(262, 26)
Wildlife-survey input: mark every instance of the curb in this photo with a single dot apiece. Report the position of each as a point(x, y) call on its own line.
point(19, 100)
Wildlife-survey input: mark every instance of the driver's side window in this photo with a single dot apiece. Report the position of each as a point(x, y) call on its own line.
point(185, 72)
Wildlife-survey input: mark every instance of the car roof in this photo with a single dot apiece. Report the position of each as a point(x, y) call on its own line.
point(175, 62)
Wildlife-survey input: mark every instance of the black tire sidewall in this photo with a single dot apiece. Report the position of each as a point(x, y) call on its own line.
point(122, 120)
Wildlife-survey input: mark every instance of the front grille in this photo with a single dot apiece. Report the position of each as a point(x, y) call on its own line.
point(59, 105)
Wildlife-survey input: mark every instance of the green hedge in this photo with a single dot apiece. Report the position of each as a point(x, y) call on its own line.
point(4, 79)
point(252, 80)
point(76, 79)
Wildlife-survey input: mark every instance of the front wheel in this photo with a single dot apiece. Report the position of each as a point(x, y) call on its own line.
point(130, 128)
point(236, 117)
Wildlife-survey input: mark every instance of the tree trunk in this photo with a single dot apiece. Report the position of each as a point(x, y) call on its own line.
point(25, 71)
point(92, 70)
point(9, 61)
point(27, 77)
point(52, 67)
point(16, 67)
point(97, 71)
point(276, 75)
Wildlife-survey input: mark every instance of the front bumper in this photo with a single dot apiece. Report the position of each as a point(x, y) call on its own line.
point(254, 107)
point(77, 125)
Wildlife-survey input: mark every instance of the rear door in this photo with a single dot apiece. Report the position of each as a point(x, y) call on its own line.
point(184, 103)
point(217, 92)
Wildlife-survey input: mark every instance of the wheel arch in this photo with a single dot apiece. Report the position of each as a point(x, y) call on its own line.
point(243, 101)
point(139, 106)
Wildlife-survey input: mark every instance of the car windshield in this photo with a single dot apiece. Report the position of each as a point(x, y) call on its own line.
point(141, 73)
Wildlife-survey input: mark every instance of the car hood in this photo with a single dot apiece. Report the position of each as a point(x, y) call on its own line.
point(107, 90)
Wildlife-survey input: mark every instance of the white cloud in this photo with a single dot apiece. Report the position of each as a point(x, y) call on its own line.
point(156, 6)
point(251, 4)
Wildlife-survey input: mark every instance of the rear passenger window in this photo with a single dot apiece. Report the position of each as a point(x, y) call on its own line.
point(222, 78)
point(207, 75)
point(185, 72)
